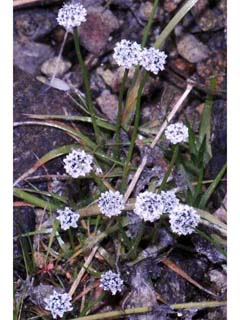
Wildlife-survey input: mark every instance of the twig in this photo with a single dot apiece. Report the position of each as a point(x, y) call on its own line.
point(82, 271)
point(175, 109)
point(139, 310)
point(20, 3)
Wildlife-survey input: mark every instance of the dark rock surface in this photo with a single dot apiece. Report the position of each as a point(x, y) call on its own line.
point(31, 142)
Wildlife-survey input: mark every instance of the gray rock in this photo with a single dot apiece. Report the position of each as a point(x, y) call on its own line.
point(30, 55)
point(109, 104)
point(94, 33)
point(30, 142)
point(193, 50)
point(48, 67)
point(33, 24)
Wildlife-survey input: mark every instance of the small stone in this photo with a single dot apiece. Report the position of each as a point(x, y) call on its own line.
point(108, 104)
point(114, 78)
point(48, 67)
point(183, 67)
point(145, 10)
point(193, 50)
point(94, 33)
point(219, 279)
point(171, 5)
point(30, 55)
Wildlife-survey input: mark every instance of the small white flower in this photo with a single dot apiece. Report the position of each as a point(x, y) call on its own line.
point(98, 171)
point(149, 206)
point(184, 219)
point(177, 133)
point(127, 53)
point(111, 281)
point(68, 218)
point(111, 203)
point(71, 15)
point(169, 200)
point(153, 60)
point(78, 163)
point(58, 304)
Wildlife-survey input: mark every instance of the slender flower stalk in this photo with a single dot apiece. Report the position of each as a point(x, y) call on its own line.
point(126, 168)
point(59, 58)
point(119, 115)
point(87, 86)
point(170, 167)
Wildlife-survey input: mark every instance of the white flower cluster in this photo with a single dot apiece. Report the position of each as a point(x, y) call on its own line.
point(129, 54)
point(184, 219)
point(67, 218)
point(71, 15)
point(111, 281)
point(177, 133)
point(149, 206)
point(169, 200)
point(58, 304)
point(153, 60)
point(78, 163)
point(111, 203)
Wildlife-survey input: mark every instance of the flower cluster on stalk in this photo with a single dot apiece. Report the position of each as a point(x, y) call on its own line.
point(111, 281)
point(58, 304)
point(68, 218)
point(78, 163)
point(129, 54)
point(177, 133)
point(71, 15)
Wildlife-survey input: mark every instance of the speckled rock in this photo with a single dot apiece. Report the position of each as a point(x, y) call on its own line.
point(94, 33)
point(210, 18)
point(48, 67)
point(145, 10)
point(34, 24)
point(193, 50)
point(30, 55)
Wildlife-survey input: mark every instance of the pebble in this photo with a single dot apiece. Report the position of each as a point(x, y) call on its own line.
point(209, 19)
point(30, 55)
point(94, 33)
point(145, 10)
point(48, 67)
point(193, 50)
point(171, 5)
point(108, 104)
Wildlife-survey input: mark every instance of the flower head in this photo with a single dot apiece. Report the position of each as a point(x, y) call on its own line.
point(78, 163)
point(177, 133)
point(149, 206)
point(127, 53)
point(58, 303)
point(184, 219)
point(71, 15)
point(111, 281)
point(68, 218)
point(153, 60)
point(169, 200)
point(111, 203)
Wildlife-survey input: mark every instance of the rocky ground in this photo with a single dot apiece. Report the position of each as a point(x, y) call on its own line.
point(196, 51)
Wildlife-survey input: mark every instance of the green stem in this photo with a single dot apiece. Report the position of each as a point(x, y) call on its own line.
point(87, 86)
point(149, 24)
point(139, 310)
point(170, 167)
point(119, 115)
point(126, 168)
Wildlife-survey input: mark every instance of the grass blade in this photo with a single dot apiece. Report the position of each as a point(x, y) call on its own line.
point(212, 188)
